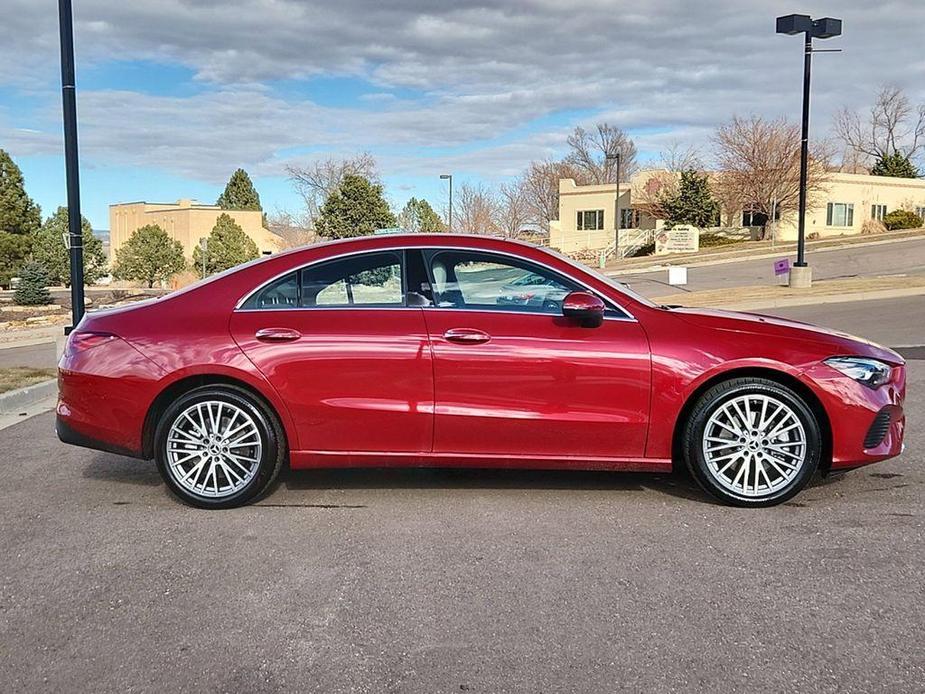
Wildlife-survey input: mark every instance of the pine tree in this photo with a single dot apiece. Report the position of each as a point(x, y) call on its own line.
point(895, 165)
point(419, 216)
point(50, 250)
point(149, 255)
point(18, 213)
point(355, 208)
point(33, 286)
point(14, 250)
point(693, 203)
point(226, 247)
point(239, 193)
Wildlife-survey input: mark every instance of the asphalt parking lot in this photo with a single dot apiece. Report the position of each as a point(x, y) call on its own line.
point(449, 581)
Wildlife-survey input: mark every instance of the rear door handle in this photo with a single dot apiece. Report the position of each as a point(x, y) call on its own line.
point(277, 334)
point(466, 336)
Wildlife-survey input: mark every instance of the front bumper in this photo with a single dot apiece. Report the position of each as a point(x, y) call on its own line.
point(867, 424)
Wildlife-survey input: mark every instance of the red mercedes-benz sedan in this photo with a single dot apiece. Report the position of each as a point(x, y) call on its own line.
point(451, 350)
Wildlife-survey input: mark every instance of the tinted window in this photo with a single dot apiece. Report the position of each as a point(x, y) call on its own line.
point(373, 279)
point(464, 279)
point(280, 294)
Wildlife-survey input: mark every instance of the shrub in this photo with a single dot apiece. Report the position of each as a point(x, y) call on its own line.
point(33, 286)
point(902, 219)
point(872, 226)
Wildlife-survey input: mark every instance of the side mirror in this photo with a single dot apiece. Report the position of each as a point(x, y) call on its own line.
point(584, 308)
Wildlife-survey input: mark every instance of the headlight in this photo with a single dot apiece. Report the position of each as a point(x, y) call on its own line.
point(870, 372)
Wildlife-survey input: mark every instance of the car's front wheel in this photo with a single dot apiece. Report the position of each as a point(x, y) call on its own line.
point(218, 447)
point(752, 442)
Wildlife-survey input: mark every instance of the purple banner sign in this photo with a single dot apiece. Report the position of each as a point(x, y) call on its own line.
point(782, 267)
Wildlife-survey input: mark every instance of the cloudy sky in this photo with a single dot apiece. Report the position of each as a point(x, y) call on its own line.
point(173, 95)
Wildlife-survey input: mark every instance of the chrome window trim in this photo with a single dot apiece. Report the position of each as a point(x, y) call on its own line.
point(613, 304)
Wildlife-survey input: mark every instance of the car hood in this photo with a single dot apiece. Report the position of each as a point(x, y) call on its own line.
point(774, 327)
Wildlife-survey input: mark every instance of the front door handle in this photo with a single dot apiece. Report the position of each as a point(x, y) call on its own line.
point(466, 336)
point(277, 334)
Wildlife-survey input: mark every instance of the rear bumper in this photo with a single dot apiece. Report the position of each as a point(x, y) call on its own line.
point(68, 434)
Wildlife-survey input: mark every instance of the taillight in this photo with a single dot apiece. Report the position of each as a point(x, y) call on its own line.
point(82, 341)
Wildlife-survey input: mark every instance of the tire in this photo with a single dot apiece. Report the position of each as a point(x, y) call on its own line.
point(234, 440)
point(763, 464)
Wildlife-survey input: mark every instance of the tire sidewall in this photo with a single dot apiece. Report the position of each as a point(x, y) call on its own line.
point(718, 396)
point(268, 437)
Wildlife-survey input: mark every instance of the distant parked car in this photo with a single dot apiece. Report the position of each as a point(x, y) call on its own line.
point(451, 350)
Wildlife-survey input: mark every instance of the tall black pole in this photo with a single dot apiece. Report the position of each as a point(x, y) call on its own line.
point(804, 152)
point(69, 103)
point(450, 225)
point(617, 210)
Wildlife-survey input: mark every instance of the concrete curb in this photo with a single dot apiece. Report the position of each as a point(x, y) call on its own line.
point(17, 400)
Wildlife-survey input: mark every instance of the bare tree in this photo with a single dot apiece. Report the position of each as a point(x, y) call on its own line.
point(541, 188)
point(678, 157)
point(513, 208)
point(589, 150)
point(759, 166)
point(475, 209)
point(893, 126)
point(293, 230)
point(320, 178)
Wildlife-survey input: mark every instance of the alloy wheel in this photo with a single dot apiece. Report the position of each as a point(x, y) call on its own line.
point(754, 445)
point(213, 449)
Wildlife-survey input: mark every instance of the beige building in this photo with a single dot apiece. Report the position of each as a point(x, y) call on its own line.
point(586, 213)
point(186, 221)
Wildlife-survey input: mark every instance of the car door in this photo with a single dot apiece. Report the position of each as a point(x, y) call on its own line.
point(514, 378)
point(349, 357)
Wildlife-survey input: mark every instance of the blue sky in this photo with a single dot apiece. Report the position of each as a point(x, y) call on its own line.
point(174, 95)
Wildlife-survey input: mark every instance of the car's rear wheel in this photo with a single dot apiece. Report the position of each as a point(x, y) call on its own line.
point(218, 447)
point(752, 442)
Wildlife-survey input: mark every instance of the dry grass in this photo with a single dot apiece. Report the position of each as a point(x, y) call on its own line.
point(15, 377)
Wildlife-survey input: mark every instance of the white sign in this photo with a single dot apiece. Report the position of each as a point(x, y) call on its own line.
point(677, 276)
point(677, 240)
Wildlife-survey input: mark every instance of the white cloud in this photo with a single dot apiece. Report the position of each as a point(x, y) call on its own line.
point(670, 69)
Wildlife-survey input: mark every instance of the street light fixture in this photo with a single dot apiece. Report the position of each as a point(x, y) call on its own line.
point(449, 177)
point(825, 28)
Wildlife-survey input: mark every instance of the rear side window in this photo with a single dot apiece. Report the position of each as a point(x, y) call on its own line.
point(373, 279)
point(282, 293)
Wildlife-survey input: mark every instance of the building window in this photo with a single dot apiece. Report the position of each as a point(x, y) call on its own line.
point(628, 218)
point(920, 211)
point(878, 212)
point(839, 214)
point(590, 220)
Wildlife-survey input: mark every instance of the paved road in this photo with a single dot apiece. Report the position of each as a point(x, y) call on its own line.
point(448, 581)
point(36, 356)
point(886, 259)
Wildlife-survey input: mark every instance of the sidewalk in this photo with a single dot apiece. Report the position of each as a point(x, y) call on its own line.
point(824, 291)
point(753, 250)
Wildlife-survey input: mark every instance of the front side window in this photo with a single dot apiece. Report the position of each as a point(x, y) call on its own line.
point(590, 220)
point(484, 281)
point(839, 214)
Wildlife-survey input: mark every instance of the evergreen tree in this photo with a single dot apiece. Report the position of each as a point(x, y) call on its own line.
point(14, 249)
point(895, 165)
point(149, 255)
point(419, 216)
point(33, 286)
point(50, 250)
point(355, 208)
point(240, 193)
point(18, 213)
point(693, 202)
point(227, 246)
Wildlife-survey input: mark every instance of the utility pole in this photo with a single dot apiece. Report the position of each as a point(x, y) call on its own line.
point(69, 104)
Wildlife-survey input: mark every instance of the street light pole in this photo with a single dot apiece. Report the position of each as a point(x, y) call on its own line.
point(824, 28)
point(69, 104)
point(449, 177)
point(616, 207)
